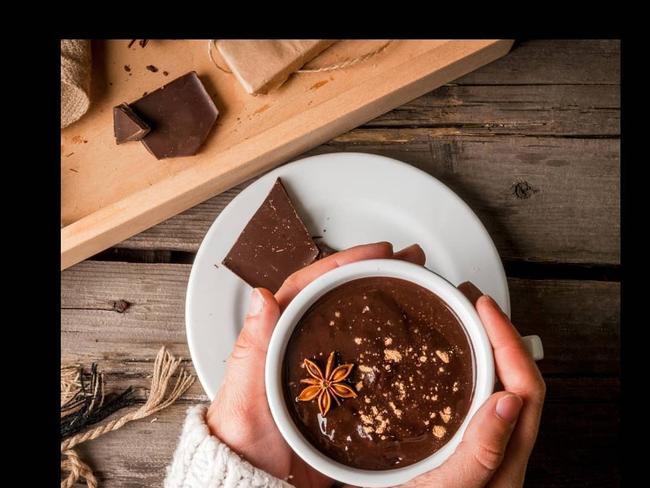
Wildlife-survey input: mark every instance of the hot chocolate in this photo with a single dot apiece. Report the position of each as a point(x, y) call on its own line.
point(378, 373)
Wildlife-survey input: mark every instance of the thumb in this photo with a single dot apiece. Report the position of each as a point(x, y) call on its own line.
point(245, 368)
point(483, 446)
point(262, 315)
point(235, 410)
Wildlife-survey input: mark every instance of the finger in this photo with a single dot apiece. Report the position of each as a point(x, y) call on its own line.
point(518, 373)
point(483, 447)
point(301, 278)
point(263, 313)
point(413, 253)
point(515, 366)
point(243, 386)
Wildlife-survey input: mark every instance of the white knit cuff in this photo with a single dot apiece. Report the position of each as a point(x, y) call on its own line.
point(202, 461)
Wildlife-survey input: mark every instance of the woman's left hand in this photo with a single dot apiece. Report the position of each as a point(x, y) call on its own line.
point(239, 415)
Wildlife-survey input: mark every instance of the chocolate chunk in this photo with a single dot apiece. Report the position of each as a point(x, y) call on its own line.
point(324, 249)
point(181, 114)
point(274, 243)
point(152, 68)
point(470, 291)
point(127, 126)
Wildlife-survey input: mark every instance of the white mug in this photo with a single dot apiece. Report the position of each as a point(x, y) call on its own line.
point(484, 376)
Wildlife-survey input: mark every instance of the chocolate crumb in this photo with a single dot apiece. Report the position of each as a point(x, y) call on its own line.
point(152, 68)
point(127, 68)
point(165, 73)
point(121, 306)
point(445, 415)
point(443, 356)
point(74, 170)
point(392, 355)
point(439, 431)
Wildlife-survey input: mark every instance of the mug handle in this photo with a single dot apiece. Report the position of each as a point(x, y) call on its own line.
point(534, 345)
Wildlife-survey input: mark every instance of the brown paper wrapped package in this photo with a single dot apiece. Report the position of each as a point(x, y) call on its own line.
point(262, 65)
point(75, 80)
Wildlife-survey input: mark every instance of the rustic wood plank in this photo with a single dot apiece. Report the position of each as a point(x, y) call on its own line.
point(570, 214)
point(523, 110)
point(576, 447)
point(548, 114)
point(543, 89)
point(578, 320)
point(553, 62)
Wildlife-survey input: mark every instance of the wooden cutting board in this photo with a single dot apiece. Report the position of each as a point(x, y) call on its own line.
point(110, 192)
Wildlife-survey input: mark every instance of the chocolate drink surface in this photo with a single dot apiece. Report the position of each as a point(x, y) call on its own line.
point(410, 384)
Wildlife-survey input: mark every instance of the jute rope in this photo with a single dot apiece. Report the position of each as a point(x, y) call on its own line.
point(346, 63)
point(165, 366)
point(331, 67)
point(70, 382)
point(77, 469)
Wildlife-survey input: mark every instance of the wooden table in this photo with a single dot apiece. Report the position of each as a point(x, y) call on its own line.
point(531, 143)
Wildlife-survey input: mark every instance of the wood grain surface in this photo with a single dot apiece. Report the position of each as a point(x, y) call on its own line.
point(531, 142)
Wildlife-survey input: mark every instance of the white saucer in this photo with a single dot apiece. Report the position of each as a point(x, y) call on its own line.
point(349, 199)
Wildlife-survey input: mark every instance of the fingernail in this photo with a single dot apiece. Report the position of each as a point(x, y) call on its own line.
point(492, 301)
point(408, 249)
point(386, 243)
point(508, 408)
point(256, 304)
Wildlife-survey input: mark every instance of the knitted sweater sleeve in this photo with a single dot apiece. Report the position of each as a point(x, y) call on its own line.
point(202, 461)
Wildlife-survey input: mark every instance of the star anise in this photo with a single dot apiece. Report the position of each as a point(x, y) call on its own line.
point(328, 385)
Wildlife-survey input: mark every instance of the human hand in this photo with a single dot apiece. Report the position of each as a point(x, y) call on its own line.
point(496, 446)
point(239, 415)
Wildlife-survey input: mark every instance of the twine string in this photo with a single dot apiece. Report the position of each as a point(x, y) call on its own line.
point(159, 398)
point(211, 44)
point(347, 62)
point(331, 67)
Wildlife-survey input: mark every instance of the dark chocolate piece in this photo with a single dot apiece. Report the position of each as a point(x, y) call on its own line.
point(181, 114)
point(413, 373)
point(127, 126)
point(274, 243)
point(152, 68)
point(324, 249)
point(470, 291)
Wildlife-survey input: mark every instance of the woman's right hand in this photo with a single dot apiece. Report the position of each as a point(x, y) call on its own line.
point(496, 446)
